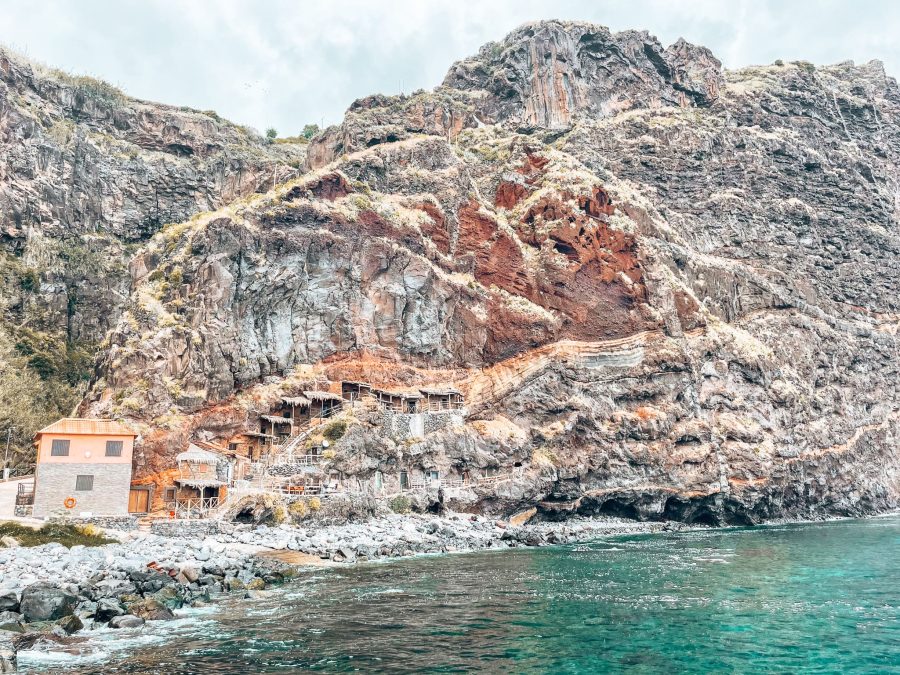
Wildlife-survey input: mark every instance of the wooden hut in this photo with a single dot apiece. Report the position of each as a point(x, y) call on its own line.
point(438, 398)
point(323, 403)
point(353, 391)
point(199, 485)
point(398, 400)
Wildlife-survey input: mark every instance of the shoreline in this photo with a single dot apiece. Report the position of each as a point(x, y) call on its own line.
point(52, 596)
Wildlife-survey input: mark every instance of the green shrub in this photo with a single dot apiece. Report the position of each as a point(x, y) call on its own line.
point(30, 280)
point(298, 509)
point(61, 533)
point(335, 431)
point(401, 504)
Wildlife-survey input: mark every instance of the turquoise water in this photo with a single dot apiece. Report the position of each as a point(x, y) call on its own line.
point(822, 598)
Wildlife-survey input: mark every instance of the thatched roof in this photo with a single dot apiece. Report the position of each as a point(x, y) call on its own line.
point(295, 401)
point(438, 390)
point(399, 393)
point(196, 455)
point(322, 396)
point(276, 419)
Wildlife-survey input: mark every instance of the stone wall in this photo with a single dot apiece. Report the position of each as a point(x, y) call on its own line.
point(400, 426)
point(56, 482)
point(185, 528)
point(126, 523)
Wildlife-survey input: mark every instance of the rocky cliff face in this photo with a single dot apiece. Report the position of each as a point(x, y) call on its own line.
point(667, 289)
point(86, 176)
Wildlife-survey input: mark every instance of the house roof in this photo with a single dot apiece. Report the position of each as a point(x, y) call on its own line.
point(438, 390)
point(276, 419)
point(197, 455)
point(87, 427)
point(321, 396)
point(295, 400)
point(398, 393)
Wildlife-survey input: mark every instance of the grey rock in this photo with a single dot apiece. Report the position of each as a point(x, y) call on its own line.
point(42, 602)
point(126, 621)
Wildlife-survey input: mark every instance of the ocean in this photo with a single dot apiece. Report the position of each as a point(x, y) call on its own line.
point(816, 598)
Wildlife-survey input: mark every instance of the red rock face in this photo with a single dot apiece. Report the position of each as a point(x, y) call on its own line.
point(509, 194)
point(436, 229)
point(331, 187)
point(498, 260)
point(596, 284)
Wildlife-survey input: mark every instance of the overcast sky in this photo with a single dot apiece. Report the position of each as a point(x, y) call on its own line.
point(288, 63)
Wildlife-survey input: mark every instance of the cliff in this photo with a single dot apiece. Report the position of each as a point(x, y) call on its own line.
point(87, 175)
point(666, 289)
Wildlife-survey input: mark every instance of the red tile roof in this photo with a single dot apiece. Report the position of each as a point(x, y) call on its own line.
point(77, 426)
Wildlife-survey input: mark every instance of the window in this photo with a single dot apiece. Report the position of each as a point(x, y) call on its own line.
point(113, 448)
point(404, 480)
point(169, 494)
point(60, 447)
point(232, 447)
point(84, 483)
point(432, 476)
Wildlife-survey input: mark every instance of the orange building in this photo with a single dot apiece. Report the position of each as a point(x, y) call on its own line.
point(83, 467)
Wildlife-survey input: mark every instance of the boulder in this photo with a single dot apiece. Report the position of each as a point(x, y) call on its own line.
point(9, 542)
point(9, 600)
point(126, 621)
point(522, 517)
point(42, 602)
point(234, 584)
point(151, 609)
point(190, 573)
point(170, 596)
point(7, 654)
point(256, 584)
point(70, 624)
point(108, 609)
point(11, 621)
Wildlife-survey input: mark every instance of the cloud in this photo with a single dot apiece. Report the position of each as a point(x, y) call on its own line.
point(285, 64)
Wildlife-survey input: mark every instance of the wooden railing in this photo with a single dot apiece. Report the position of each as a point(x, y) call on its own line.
point(199, 507)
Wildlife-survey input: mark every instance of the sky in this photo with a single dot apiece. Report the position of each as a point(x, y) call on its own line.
point(284, 64)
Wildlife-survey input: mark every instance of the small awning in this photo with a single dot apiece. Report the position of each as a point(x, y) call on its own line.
point(440, 391)
point(276, 419)
point(322, 396)
point(295, 401)
point(195, 455)
point(399, 393)
point(258, 434)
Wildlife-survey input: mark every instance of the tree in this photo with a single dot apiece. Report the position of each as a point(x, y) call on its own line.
point(310, 130)
point(271, 133)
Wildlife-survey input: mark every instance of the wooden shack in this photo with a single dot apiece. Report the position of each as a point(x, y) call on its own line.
point(323, 403)
point(440, 398)
point(354, 391)
point(280, 428)
point(398, 400)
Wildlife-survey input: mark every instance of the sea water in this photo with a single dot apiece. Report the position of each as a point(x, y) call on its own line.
point(818, 598)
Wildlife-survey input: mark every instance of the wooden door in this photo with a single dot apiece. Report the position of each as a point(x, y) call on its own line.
point(139, 501)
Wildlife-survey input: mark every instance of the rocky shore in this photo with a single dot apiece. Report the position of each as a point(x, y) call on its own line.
point(50, 593)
